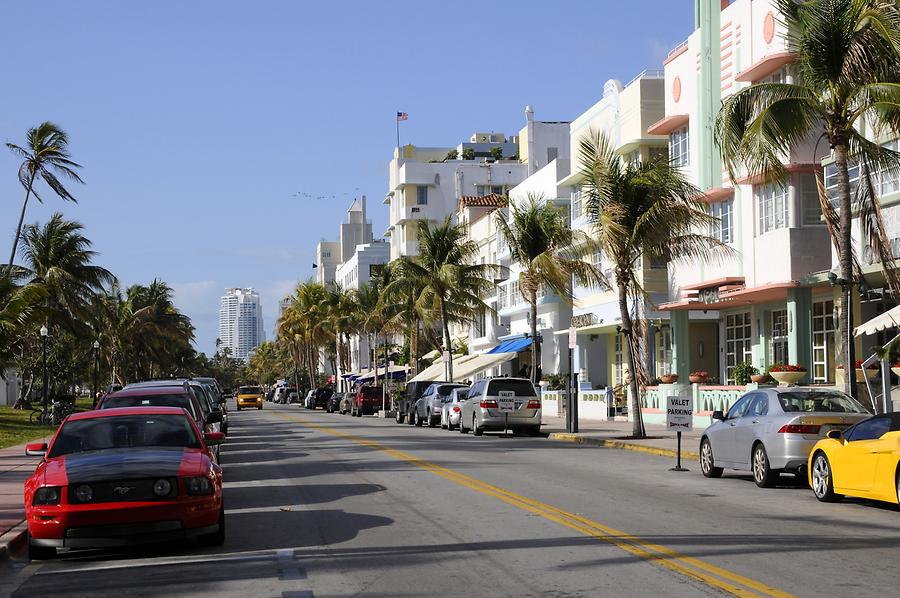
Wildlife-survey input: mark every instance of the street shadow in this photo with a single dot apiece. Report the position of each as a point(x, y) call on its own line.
point(266, 495)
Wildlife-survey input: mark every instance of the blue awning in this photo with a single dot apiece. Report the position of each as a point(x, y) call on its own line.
point(512, 346)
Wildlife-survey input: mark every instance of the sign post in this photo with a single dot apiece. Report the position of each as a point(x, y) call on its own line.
point(506, 403)
point(445, 359)
point(680, 417)
point(572, 394)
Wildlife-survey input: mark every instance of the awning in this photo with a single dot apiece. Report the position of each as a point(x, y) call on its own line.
point(765, 67)
point(512, 346)
point(889, 319)
point(436, 370)
point(479, 363)
point(394, 371)
point(668, 124)
point(433, 354)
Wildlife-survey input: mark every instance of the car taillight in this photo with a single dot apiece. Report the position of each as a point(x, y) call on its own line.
point(799, 429)
point(456, 410)
point(533, 404)
point(488, 404)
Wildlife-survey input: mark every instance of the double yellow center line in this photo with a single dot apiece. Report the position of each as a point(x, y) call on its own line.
point(702, 571)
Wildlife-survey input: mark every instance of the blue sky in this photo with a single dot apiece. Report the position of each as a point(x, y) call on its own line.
point(197, 121)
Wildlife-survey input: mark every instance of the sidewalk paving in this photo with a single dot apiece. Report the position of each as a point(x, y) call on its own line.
point(15, 468)
point(615, 434)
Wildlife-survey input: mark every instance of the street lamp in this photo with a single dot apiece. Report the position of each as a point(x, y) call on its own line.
point(96, 368)
point(44, 334)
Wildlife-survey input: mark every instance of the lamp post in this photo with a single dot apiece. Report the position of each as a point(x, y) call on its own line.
point(96, 368)
point(44, 334)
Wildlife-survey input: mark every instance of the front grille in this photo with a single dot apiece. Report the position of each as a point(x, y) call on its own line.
point(124, 490)
point(127, 529)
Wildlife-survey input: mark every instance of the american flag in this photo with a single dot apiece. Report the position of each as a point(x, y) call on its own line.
point(402, 116)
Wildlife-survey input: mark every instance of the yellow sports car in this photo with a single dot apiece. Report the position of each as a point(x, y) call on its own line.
point(861, 461)
point(249, 397)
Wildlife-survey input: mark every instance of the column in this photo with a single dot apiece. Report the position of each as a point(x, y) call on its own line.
point(680, 344)
point(799, 308)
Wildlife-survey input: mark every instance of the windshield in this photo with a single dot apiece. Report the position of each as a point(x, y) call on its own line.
point(822, 402)
point(162, 400)
point(445, 389)
point(250, 390)
point(522, 388)
point(124, 431)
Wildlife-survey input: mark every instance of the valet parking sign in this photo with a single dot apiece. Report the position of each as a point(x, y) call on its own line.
point(680, 413)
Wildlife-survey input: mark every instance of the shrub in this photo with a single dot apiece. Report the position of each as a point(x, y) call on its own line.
point(742, 373)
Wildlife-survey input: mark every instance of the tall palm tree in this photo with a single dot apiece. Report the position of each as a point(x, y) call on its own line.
point(453, 284)
point(640, 210)
point(549, 254)
point(403, 292)
point(847, 74)
point(45, 157)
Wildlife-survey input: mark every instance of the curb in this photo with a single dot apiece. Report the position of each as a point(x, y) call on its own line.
point(624, 445)
point(13, 541)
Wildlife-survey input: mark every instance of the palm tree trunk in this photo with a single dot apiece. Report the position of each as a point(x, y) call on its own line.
point(534, 339)
point(12, 256)
point(447, 347)
point(637, 420)
point(414, 347)
point(845, 324)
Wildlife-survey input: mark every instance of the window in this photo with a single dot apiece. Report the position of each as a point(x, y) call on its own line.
point(779, 340)
point(482, 190)
point(740, 408)
point(889, 182)
point(664, 351)
point(723, 230)
point(421, 195)
point(576, 203)
point(830, 401)
point(810, 207)
point(501, 296)
point(779, 76)
point(831, 182)
point(326, 253)
point(869, 429)
point(738, 347)
point(618, 364)
point(479, 324)
point(522, 388)
point(823, 342)
point(679, 147)
point(772, 206)
point(759, 406)
point(633, 157)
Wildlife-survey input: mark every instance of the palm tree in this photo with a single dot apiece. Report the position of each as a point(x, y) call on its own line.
point(549, 254)
point(452, 285)
point(45, 157)
point(403, 292)
point(847, 74)
point(640, 210)
point(18, 308)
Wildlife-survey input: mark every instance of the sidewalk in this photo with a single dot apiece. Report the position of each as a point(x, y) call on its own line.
point(615, 434)
point(15, 467)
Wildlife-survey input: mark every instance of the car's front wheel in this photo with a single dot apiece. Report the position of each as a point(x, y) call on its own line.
point(41, 553)
point(822, 479)
point(763, 474)
point(416, 419)
point(475, 429)
point(707, 464)
point(398, 417)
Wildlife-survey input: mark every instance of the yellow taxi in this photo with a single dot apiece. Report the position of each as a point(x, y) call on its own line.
point(249, 397)
point(860, 461)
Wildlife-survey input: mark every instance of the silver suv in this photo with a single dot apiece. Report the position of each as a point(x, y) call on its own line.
point(501, 403)
point(427, 409)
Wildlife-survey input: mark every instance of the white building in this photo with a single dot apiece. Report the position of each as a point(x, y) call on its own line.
point(240, 321)
point(355, 231)
point(362, 265)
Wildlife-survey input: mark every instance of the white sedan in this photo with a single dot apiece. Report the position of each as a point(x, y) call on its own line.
point(451, 409)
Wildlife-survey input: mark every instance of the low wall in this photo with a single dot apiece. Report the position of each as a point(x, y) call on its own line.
point(706, 400)
point(552, 402)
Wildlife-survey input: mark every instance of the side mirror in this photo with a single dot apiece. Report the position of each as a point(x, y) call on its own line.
point(835, 434)
point(36, 449)
point(719, 415)
point(214, 417)
point(214, 438)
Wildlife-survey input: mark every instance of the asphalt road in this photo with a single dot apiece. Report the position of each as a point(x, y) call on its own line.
point(329, 505)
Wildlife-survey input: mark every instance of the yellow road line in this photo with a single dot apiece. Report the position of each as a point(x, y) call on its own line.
point(707, 573)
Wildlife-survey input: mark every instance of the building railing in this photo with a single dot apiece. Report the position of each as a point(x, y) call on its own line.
point(648, 74)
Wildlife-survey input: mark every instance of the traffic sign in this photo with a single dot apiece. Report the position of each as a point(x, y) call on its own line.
point(680, 413)
point(445, 356)
point(573, 338)
point(506, 400)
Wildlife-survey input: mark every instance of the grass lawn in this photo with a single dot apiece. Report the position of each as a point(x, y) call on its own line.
point(15, 428)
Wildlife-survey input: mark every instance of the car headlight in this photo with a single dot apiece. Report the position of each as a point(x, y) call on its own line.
point(162, 487)
point(46, 495)
point(84, 493)
point(198, 486)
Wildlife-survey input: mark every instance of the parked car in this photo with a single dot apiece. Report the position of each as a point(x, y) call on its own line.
point(116, 477)
point(167, 396)
point(346, 403)
point(249, 397)
point(860, 461)
point(282, 394)
point(452, 408)
point(427, 410)
point(310, 401)
point(773, 430)
point(367, 401)
point(403, 405)
point(334, 402)
point(212, 389)
point(482, 408)
point(321, 397)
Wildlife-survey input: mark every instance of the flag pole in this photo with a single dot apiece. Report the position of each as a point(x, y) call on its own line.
point(398, 136)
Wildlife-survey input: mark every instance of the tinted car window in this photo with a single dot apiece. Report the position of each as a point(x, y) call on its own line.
point(203, 398)
point(162, 400)
point(371, 391)
point(825, 401)
point(126, 431)
point(869, 429)
point(445, 389)
point(739, 408)
point(759, 406)
point(250, 390)
point(522, 388)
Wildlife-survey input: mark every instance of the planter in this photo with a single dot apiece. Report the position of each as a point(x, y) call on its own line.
point(673, 378)
point(896, 371)
point(760, 378)
point(787, 378)
point(697, 379)
point(862, 374)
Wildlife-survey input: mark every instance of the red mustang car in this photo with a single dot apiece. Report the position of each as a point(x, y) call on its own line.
point(117, 477)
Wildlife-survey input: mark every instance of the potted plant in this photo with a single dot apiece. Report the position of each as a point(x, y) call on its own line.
point(743, 373)
point(787, 374)
point(669, 378)
point(870, 372)
point(763, 378)
point(698, 377)
point(896, 368)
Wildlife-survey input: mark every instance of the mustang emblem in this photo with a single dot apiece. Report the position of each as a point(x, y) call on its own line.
point(123, 490)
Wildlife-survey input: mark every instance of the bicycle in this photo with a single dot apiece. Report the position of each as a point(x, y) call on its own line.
point(53, 415)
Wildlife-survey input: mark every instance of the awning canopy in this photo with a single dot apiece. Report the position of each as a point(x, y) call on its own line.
point(433, 354)
point(394, 371)
point(479, 363)
point(512, 346)
point(889, 319)
point(436, 370)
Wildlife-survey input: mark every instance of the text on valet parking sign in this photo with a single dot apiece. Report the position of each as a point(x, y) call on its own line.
point(680, 413)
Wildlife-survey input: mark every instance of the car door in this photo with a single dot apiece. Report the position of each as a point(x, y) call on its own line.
point(724, 438)
point(855, 464)
point(465, 413)
point(749, 426)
